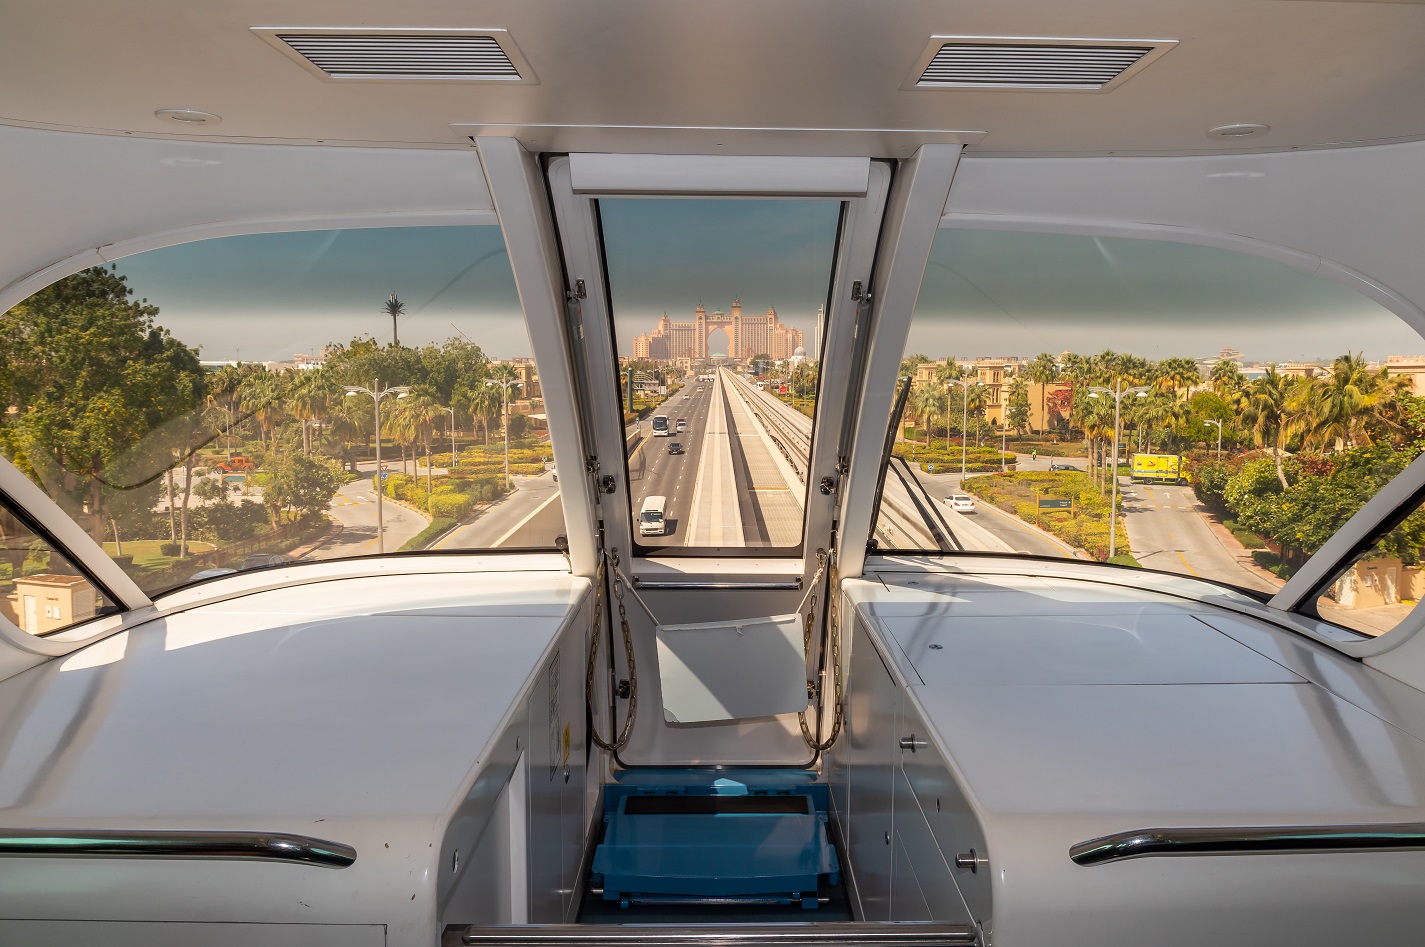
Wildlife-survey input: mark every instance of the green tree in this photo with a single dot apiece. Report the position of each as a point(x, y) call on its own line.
point(394, 308)
point(302, 484)
point(89, 376)
point(1227, 379)
point(1018, 404)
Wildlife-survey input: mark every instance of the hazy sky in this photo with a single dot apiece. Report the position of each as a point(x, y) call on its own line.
point(265, 297)
point(670, 255)
point(268, 296)
point(989, 293)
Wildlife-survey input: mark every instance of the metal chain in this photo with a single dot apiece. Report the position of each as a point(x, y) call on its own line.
point(627, 730)
point(834, 636)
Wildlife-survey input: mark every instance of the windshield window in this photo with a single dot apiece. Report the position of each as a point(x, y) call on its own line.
point(1256, 407)
point(717, 309)
point(212, 407)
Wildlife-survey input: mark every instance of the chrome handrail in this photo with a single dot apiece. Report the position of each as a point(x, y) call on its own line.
point(1252, 840)
point(794, 934)
point(222, 846)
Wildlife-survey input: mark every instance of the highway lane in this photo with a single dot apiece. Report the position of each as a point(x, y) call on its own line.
point(354, 506)
point(1010, 529)
point(528, 518)
point(652, 471)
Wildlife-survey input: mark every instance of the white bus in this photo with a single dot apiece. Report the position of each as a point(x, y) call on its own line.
point(660, 426)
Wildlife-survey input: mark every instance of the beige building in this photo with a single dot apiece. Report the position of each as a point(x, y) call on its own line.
point(44, 603)
point(750, 335)
point(995, 375)
point(1408, 366)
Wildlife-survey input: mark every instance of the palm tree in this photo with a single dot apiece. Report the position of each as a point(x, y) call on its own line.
point(1344, 404)
point(484, 405)
point(928, 401)
point(1271, 413)
point(423, 412)
point(1043, 371)
point(1226, 378)
point(1177, 376)
point(262, 400)
point(393, 308)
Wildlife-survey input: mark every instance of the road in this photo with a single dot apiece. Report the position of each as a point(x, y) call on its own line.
point(354, 506)
point(529, 518)
point(1168, 533)
point(1008, 528)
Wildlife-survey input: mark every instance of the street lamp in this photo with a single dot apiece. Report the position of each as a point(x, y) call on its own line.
point(1218, 425)
point(451, 465)
point(1116, 393)
point(377, 393)
point(505, 384)
point(965, 384)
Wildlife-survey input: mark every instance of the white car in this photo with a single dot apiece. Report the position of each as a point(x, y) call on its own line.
point(961, 503)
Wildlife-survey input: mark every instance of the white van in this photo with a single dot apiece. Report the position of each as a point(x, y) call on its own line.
point(650, 518)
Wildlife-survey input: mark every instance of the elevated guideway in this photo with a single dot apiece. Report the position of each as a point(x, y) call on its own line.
point(900, 525)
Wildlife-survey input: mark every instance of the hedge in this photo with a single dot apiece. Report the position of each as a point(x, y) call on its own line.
point(426, 536)
point(449, 506)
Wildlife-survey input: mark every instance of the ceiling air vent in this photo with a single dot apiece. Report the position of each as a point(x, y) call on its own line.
point(455, 55)
point(1020, 62)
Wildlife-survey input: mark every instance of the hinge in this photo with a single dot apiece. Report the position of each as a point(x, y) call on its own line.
point(579, 292)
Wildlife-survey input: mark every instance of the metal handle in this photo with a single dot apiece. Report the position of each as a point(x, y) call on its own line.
point(971, 860)
point(221, 846)
point(912, 744)
point(790, 585)
point(1260, 840)
point(816, 934)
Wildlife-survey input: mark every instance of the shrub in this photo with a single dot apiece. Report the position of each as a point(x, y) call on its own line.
point(395, 483)
point(171, 550)
point(426, 536)
point(450, 506)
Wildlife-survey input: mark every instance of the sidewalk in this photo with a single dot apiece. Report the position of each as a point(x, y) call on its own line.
point(1234, 548)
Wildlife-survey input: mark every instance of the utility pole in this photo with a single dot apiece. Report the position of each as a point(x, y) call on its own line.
point(1117, 392)
point(1218, 425)
point(377, 393)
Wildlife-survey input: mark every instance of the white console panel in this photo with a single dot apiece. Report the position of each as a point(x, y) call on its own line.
point(1048, 712)
point(387, 713)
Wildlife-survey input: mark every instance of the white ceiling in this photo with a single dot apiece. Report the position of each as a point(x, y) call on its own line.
point(1319, 73)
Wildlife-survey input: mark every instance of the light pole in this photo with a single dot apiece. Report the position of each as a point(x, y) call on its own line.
point(505, 384)
point(965, 384)
point(1116, 393)
point(1218, 425)
point(451, 466)
point(1002, 428)
point(377, 393)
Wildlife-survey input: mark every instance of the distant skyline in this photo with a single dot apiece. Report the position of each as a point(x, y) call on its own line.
point(267, 297)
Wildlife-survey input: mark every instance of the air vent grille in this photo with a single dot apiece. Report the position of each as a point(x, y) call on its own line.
point(1020, 63)
point(393, 55)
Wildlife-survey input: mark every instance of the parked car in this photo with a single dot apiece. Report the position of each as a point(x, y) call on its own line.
point(1064, 467)
point(261, 560)
point(961, 503)
point(235, 464)
point(676, 448)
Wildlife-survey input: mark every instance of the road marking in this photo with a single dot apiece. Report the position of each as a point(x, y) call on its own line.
point(1185, 562)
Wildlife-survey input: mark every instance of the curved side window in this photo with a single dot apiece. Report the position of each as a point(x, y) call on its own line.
point(1382, 585)
point(235, 403)
point(1251, 410)
point(41, 591)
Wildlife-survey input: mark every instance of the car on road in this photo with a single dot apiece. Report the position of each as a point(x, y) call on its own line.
point(960, 503)
point(1064, 467)
point(676, 448)
point(651, 520)
point(682, 425)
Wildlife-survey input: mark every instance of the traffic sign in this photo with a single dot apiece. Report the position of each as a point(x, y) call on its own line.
point(1048, 504)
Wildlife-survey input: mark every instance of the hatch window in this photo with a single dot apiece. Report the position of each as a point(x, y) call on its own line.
point(41, 590)
point(1258, 407)
point(718, 314)
point(213, 407)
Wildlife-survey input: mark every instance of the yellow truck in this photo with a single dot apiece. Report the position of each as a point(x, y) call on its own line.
point(1157, 468)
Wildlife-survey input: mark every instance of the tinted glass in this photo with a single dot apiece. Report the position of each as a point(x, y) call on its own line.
point(41, 591)
point(1256, 406)
point(717, 309)
point(212, 407)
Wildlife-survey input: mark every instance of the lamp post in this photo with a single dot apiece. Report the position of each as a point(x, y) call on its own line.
point(965, 384)
point(451, 468)
point(505, 384)
point(1218, 425)
point(377, 393)
point(1002, 428)
point(1117, 393)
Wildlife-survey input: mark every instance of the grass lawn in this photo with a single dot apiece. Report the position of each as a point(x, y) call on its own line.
point(147, 556)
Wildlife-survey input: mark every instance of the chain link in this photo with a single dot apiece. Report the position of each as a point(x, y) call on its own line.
point(627, 730)
point(834, 635)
